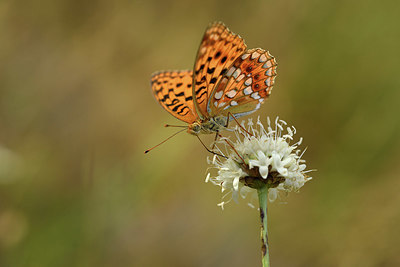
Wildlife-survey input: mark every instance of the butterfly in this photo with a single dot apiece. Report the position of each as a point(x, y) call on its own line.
point(227, 80)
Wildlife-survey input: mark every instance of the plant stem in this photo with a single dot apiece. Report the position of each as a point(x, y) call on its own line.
point(263, 200)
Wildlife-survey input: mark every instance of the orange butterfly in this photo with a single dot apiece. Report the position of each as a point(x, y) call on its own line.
point(226, 80)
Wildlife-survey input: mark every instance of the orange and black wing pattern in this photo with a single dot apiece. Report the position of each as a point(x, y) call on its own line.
point(219, 48)
point(245, 86)
point(173, 90)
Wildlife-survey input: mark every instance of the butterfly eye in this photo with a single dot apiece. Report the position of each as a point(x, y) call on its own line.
point(256, 77)
point(256, 86)
point(249, 68)
point(196, 128)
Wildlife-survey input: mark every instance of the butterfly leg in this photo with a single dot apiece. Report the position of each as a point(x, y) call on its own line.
point(215, 140)
point(233, 148)
point(227, 122)
point(212, 152)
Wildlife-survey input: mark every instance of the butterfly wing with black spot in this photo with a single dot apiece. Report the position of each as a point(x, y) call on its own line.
point(173, 90)
point(219, 48)
point(246, 84)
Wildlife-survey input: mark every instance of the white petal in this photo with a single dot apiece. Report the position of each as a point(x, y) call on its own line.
point(236, 183)
point(235, 196)
point(263, 171)
point(208, 178)
point(267, 148)
point(272, 194)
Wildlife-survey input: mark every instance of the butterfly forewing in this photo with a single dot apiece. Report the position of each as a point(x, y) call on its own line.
point(218, 50)
point(173, 90)
point(245, 85)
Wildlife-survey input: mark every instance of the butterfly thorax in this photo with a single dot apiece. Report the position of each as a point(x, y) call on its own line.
point(208, 126)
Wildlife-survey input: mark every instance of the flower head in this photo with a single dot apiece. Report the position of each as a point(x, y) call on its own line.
point(259, 156)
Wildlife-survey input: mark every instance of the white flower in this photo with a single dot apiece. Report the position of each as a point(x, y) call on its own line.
point(259, 155)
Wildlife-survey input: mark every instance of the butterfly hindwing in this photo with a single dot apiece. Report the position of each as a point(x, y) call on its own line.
point(246, 84)
point(173, 90)
point(218, 50)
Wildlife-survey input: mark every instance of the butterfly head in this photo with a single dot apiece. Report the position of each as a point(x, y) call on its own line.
point(194, 128)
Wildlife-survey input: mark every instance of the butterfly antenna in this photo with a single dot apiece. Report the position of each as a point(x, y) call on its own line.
point(177, 126)
point(233, 148)
point(212, 152)
point(244, 129)
point(148, 150)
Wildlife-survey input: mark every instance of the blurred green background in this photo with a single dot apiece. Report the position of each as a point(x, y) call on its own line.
point(76, 114)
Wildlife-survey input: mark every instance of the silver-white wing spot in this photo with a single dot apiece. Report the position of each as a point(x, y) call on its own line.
point(255, 55)
point(236, 73)
point(247, 90)
point(255, 95)
point(231, 93)
point(267, 65)
point(218, 94)
point(262, 59)
point(245, 56)
point(248, 81)
point(230, 71)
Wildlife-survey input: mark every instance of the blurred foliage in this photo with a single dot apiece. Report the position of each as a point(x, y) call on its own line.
point(76, 114)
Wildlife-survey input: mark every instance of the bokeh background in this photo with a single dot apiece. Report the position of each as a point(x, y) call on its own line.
point(76, 114)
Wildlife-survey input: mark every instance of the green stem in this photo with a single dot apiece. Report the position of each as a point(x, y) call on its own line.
point(263, 200)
